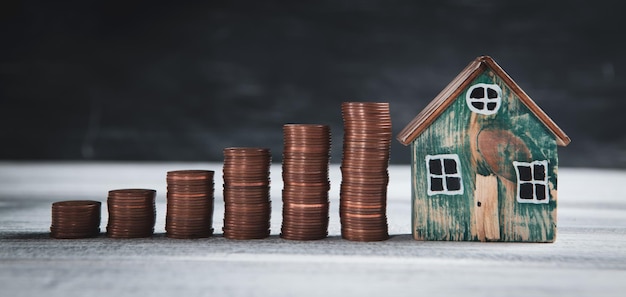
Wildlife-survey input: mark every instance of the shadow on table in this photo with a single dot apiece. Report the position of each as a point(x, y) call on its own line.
point(162, 236)
point(25, 235)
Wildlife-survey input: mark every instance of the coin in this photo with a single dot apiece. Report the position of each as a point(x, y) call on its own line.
point(75, 219)
point(247, 207)
point(190, 198)
point(306, 156)
point(363, 192)
point(132, 213)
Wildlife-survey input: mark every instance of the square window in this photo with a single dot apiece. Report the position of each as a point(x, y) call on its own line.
point(525, 173)
point(434, 166)
point(449, 165)
point(526, 191)
point(436, 184)
point(540, 191)
point(444, 175)
point(532, 182)
point(539, 172)
point(453, 183)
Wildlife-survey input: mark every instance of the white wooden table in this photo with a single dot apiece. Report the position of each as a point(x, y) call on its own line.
point(588, 258)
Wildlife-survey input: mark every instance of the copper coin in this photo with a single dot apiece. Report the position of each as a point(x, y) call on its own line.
point(192, 205)
point(312, 226)
point(126, 234)
point(245, 219)
point(295, 198)
point(194, 235)
point(190, 188)
point(313, 192)
point(86, 231)
point(171, 229)
point(230, 212)
point(249, 230)
point(303, 235)
point(188, 228)
point(362, 221)
point(132, 192)
point(76, 204)
point(246, 150)
point(246, 199)
point(189, 214)
point(364, 238)
point(304, 214)
point(309, 180)
point(304, 229)
point(191, 174)
point(312, 218)
point(306, 206)
point(191, 200)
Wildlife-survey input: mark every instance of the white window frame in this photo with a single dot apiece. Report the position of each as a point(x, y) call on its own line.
point(533, 181)
point(443, 175)
point(485, 100)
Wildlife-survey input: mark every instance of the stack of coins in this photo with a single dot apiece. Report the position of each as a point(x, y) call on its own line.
point(247, 207)
point(363, 195)
point(189, 204)
point(131, 213)
point(305, 176)
point(75, 219)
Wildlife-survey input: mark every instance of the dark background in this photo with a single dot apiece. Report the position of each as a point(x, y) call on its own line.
point(126, 80)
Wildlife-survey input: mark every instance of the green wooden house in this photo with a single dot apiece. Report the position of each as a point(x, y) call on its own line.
point(484, 161)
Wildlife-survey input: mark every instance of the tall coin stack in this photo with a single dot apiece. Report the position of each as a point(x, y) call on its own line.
point(363, 195)
point(132, 213)
point(189, 204)
point(306, 184)
point(247, 207)
point(75, 219)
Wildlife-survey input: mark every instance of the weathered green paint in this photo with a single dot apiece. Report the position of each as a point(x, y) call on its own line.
point(451, 217)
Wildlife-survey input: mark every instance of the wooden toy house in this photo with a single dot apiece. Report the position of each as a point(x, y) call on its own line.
point(484, 161)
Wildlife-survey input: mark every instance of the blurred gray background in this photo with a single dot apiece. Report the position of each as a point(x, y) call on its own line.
point(127, 80)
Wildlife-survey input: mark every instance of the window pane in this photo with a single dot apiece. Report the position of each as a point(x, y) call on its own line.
point(434, 166)
point(491, 93)
point(524, 173)
point(436, 184)
point(453, 183)
point(449, 166)
point(491, 106)
point(478, 105)
point(540, 172)
point(526, 191)
point(540, 192)
point(478, 93)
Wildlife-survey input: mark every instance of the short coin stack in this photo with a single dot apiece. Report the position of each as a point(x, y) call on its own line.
point(363, 195)
point(75, 219)
point(131, 213)
point(247, 206)
point(189, 204)
point(305, 176)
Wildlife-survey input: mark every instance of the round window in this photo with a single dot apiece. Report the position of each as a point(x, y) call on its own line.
point(484, 98)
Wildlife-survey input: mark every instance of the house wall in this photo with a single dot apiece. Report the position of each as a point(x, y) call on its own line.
point(455, 217)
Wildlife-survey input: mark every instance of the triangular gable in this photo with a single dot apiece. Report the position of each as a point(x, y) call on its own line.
point(436, 107)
